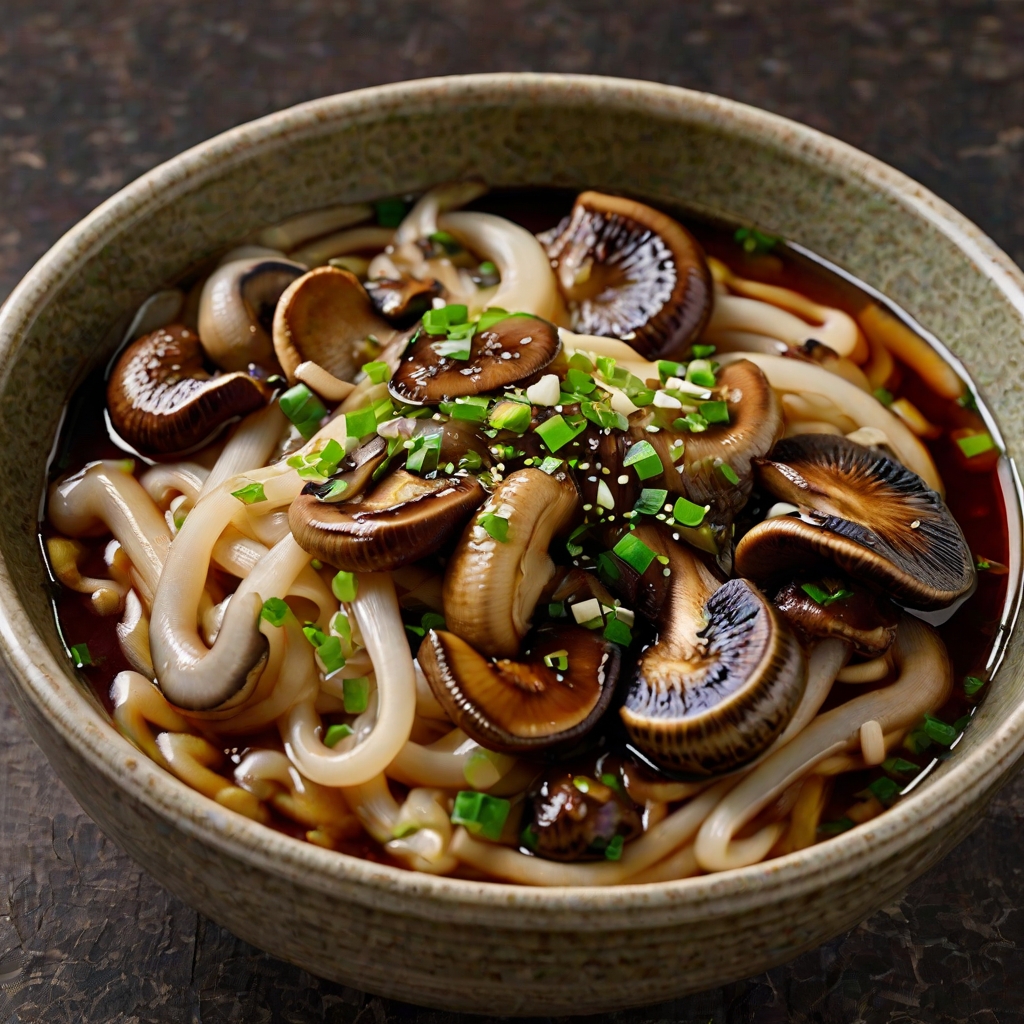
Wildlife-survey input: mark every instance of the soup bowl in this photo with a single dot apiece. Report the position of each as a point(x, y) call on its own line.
point(444, 942)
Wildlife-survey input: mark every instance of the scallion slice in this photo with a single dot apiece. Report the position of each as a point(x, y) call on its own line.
point(634, 552)
point(481, 814)
point(250, 494)
point(651, 501)
point(336, 733)
point(687, 513)
point(275, 611)
point(644, 459)
point(344, 586)
point(356, 694)
point(80, 655)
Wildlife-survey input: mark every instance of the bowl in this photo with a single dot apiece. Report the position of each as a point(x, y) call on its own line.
point(448, 943)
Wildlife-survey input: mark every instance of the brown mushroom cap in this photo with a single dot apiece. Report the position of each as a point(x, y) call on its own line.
point(722, 680)
point(574, 815)
point(863, 512)
point(404, 301)
point(326, 317)
point(523, 706)
point(508, 352)
point(629, 271)
point(863, 618)
point(162, 400)
point(403, 519)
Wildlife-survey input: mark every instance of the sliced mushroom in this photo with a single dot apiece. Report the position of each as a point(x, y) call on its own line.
point(574, 816)
point(722, 680)
point(628, 271)
point(492, 586)
point(326, 317)
point(402, 302)
point(863, 512)
point(825, 608)
point(403, 519)
point(236, 310)
point(354, 475)
point(508, 352)
point(529, 704)
point(162, 400)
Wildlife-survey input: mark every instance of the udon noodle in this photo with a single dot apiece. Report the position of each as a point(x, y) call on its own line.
point(574, 558)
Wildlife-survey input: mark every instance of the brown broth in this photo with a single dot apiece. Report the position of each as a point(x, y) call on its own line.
point(984, 502)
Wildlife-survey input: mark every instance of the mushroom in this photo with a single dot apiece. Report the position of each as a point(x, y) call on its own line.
point(574, 816)
point(403, 519)
point(236, 310)
point(162, 400)
point(510, 351)
point(403, 301)
point(628, 271)
point(326, 317)
point(723, 678)
point(550, 696)
point(864, 619)
point(492, 585)
point(863, 512)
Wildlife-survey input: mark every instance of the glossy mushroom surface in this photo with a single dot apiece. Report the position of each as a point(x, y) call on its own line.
point(863, 512)
point(722, 680)
point(550, 695)
point(162, 399)
point(629, 271)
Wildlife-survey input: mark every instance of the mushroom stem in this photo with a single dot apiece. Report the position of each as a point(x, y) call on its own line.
point(527, 281)
point(249, 447)
point(106, 494)
point(794, 375)
point(653, 846)
point(923, 685)
point(325, 384)
point(375, 608)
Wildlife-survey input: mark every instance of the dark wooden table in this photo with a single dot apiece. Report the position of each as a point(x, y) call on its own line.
point(93, 92)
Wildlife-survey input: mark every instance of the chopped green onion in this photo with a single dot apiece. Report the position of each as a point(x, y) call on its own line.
point(557, 432)
point(884, 789)
point(692, 421)
point(714, 412)
point(581, 381)
point(961, 723)
point(606, 567)
point(726, 471)
point(513, 416)
point(613, 851)
point(701, 372)
point(571, 546)
point(580, 361)
point(361, 422)
point(390, 212)
point(611, 781)
point(702, 351)
point(314, 634)
point(489, 317)
point(550, 465)
point(634, 552)
point(667, 368)
point(833, 828)
point(438, 321)
point(329, 653)
point(446, 241)
point(487, 267)
point(303, 408)
point(884, 396)
point(356, 694)
point(823, 597)
point(604, 416)
point(976, 444)
point(423, 453)
point(938, 730)
point(275, 611)
point(972, 684)
point(917, 741)
point(982, 564)
point(556, 610)
point(495, 526)
point(342, 628)
point(753, 241)
point(480, 813)
point(688, 513)
point(644, 459)
point(651, 501)
point(582, 783)
point(333, 491)
point(899, 766)
point(558, 660)
point(377, 371)
point(471, 461)
point(470, 409)
point(453, 349)
point(528, 839)
point(336, 733)
point(344, 586)
point(968, 401)
point(250, 494)
point(618, 632)
point(80, 655)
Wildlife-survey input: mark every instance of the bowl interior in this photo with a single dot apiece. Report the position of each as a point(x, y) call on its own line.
point(663, 144)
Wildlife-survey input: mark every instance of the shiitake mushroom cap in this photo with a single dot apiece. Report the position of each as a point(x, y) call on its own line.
point(511, 351)
point(863, 512)
point(523, 706)
point(629, 271)
point(402, 519)
point(864, 618)
point(162, 400)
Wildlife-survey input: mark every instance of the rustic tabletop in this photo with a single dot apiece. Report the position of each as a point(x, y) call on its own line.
point(93, 92)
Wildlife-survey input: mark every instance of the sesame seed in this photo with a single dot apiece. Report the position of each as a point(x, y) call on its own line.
point(915, 524)
point(622, 479)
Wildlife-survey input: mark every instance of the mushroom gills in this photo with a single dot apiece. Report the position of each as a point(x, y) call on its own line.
point(162, 400)
point(549, 697)
point(402, 519)
point(629, 271)
point(863, 512)
point(510, 351)
point(711, 707)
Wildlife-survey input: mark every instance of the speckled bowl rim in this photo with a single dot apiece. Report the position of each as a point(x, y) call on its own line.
point(46, 682)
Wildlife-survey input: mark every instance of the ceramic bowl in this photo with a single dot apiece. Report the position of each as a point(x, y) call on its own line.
point(437, 941)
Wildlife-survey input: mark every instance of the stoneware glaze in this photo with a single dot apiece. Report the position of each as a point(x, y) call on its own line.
point(449, 943)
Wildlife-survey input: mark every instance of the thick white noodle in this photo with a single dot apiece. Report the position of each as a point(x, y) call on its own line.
point(923, 685)
point(422, 220)
point(249, 447)
point(376, 610)
point(164, 480)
